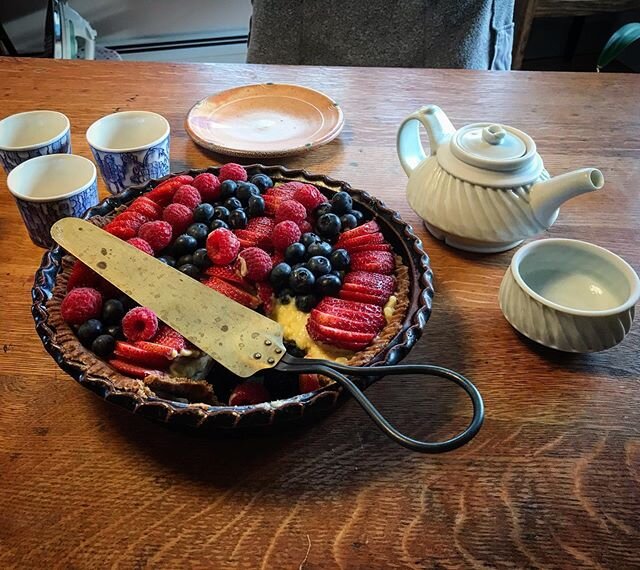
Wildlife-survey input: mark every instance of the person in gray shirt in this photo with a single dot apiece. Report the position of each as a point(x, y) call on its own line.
point(472, 34)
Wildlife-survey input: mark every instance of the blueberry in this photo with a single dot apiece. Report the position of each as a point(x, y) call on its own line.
point(115, 331)
point(328, 285)
point(348, 222)
point(341, 203)
point(215, 224)
point(255, 206)
point(358, 215)
point(319, 265)
point(328, 225)
point(324, 208)
point(306, 302)
point(322, 248)
point(293, 349)
point(285, 296)
point(237, 220)
point(112, 312)
point(301, 280)
point(199, 231)
point(340, 259)
point(279, 276)
point(167, 260)
point(190, 270)
point(308, 238)
point(200, 258)
point(294, 253)
point(221, 213)
point(262, 181)
point(103, 345)
point(245, 191)
point(89, 330)
point(339, 274)
point(228, 189)
point(184, 260)
point(203, 213)
point(232, 204)
point(184, 244)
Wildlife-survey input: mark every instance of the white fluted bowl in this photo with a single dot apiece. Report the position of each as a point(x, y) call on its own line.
point(570, 295)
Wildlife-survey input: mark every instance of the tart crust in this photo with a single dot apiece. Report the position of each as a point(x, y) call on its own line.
point(196, 391)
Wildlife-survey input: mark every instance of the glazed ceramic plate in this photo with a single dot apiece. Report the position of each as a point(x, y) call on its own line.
point(265, 120)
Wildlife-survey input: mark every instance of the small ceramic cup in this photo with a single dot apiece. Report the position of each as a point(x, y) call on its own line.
point(51, 187)
point(570, 295)
point(31, 134)
point(130, 148)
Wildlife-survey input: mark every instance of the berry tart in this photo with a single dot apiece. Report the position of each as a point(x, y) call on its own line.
point(343, 276)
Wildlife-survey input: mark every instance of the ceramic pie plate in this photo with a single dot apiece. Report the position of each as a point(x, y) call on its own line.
point(95, 375)
point(265, 120)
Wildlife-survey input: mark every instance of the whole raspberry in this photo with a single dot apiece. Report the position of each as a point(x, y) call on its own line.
point(305, 227)
point(80, 305)
point(187, 195)
point(310, 197)
point(179, 216)
point(146, 207)
point(140, 323)
point(208, 185)
point(255, 263)
point(141, 244)
point(134, 219)
point(157, 234)
point(284, 234)
point(291, 210)
point(232, 171)
point(222, 246)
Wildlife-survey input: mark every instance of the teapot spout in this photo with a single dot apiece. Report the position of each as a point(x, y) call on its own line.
point(547, 196)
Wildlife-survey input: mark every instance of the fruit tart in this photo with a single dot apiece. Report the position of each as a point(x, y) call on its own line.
point(313, 259)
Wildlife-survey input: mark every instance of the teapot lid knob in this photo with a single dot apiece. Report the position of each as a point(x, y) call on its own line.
point(493, 134)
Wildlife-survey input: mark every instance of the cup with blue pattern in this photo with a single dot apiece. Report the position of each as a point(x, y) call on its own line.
point(51, 187)
point(31, 134)
point(130, 147)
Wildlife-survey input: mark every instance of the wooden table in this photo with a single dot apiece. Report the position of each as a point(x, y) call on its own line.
point(553, 478)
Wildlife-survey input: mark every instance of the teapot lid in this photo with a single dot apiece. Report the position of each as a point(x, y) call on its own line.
point(493, 147)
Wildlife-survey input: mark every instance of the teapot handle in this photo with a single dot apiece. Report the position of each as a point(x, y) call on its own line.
point(410, 150)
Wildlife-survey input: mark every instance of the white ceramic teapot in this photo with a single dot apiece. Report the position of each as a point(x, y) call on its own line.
point(484, 187)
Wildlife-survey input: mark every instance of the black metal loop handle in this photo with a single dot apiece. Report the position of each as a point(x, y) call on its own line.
point(336, 372)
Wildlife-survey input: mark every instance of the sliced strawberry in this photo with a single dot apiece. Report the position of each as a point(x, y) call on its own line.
point(371, 247)
point(308, 383)
point(170, 337)
point(277, 257)
point(353, 309)
point(343, 322)
point(156, 348)
point(135, 219)
point(248, 393)
point(247, 238)
point(233, 292)
point(369, 228)
point(82, 276)
point(261, 225)
point(229, 273)
point(140, 356)
point(349, 340)
point(285, 191)
point(363, 294)
point(163, 193)
point(122, 230)
point(271, 203)
point(265, 294)
point(146, 207)
point(130, 369)
point(367, 239)
point(374, 261)
point(375, 281)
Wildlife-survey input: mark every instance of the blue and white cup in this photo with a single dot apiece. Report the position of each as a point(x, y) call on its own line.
point(49, 188)
point(31, 134)
point(130, 147)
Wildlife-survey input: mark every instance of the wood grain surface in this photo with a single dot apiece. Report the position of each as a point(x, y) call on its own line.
point(553, 478)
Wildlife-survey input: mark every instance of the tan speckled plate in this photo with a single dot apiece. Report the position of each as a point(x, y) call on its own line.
point(265, 120)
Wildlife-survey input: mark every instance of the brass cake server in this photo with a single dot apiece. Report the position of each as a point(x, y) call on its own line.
point(240, 339)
